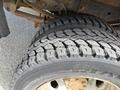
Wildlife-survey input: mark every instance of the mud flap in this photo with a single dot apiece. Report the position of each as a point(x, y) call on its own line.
point(4, 30)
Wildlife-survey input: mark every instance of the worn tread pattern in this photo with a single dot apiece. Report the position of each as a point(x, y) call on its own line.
point(84, 20)
point(68, 44)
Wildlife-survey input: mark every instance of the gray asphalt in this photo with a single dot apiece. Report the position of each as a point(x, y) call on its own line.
point(13, 47)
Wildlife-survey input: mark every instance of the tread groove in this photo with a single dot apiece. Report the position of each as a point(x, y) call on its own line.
point(45, 56)
point(67, 51)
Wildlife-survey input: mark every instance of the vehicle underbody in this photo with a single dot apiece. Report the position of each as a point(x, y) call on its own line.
point(43, 10)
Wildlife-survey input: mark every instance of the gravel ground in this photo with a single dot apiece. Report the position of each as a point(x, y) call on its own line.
point(13, 47)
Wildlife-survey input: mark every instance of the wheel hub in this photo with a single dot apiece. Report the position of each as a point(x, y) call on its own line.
point(78, 84)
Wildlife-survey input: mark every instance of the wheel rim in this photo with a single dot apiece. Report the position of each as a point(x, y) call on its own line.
point(78, 84)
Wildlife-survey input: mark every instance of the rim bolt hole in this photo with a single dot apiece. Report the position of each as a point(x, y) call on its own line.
point(99, 83)
point(54, 84)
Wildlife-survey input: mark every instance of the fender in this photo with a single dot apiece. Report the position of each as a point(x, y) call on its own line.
point(4, 29)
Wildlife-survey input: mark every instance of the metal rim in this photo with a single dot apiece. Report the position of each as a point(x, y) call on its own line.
point(78, 83)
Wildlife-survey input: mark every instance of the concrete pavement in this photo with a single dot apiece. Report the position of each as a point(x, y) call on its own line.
point(13, 47)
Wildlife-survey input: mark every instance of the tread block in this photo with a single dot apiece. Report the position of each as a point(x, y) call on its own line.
point(104, 44)
point(25, 65)
point(99, 52)
point(19, 71)
point(59, 23)
point(79, 31)
point(111, 53)
point(86, 50)
point(48, 46)
point(69, 32)
point(58, 44)
point(73, 50)
point(89, 32)
point(69, 42)
point(50, 55)
point(40, 57)
point(32, 61)
point(36, 43)
point(89, 22)
point(51, 36)
point(93, 43)
point(81, 20)
point(65, 21)
point(32, 53)
point(39, 49)
point(97, 32)
point(81, 42)
point(61, 52)
point(115, 47)
point(43, 39)
point(60, 34)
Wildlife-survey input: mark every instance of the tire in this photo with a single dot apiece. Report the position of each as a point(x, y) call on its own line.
point(69, 49)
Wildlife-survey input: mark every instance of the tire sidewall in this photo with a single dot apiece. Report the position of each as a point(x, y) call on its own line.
point(94, 68)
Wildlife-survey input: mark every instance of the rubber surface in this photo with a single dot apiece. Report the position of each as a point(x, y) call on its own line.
point(84, 20)
point(70, 49)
